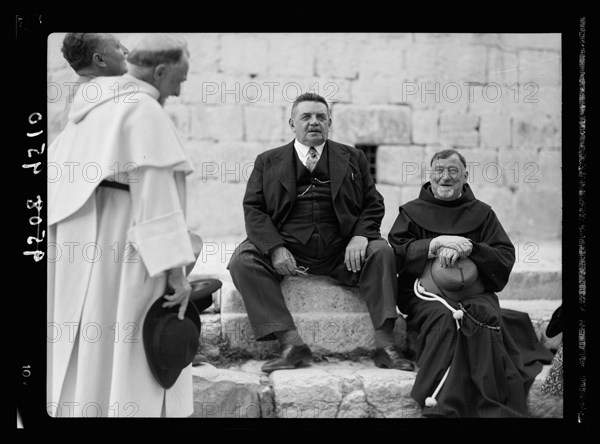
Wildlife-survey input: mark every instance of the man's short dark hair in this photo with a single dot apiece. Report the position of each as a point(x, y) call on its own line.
point(151, 59)
point(79, 47)
point(444, 154)
point(309, 97)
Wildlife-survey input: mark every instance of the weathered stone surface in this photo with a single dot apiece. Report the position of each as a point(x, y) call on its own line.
point(244, 53)
point(330, 318)
point(265, 123)
point(410, 192)
point(354, 405)
point(280, 49)
point(224, 161)
point(377, 91)
point(495, 99)
point(204, 51)
point(214, 221)
point(446, 61)
point(221, 393)
point(500, 199)
point(328, 389)
point(388, 392)
point(325, 333)
point(533, 285)
point(442, 96)
point(459, 129)
point(531, 40)
point(538, 309)
point(385, 88)
point(353, 332)
point(502, 66)
point(222, 122)
point(391, 50)
point(496, 131)
point(267, 403)
point(210, 334)
point(540, 67)
point(536, 131)
point(336, 57)
point(308, 294)
point(306, 393)
point(520, 168)
point(216, 88)
point(548, 162)
point(55, 57)
point(400, 165)
point(392, 199)
point(371, 124)
point(537, 212)
point(425, 126)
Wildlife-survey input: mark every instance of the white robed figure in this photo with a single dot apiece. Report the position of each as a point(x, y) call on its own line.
point(111, 251)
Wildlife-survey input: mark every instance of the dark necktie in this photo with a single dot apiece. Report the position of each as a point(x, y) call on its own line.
point(313, 158)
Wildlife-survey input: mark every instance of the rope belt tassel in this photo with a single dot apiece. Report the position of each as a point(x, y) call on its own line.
point(456, 314)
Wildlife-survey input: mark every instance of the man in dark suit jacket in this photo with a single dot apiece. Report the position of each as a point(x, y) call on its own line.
point(312, 204)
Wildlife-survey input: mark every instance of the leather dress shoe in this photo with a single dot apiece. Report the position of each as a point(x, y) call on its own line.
point(290, 356)
point(390, 357)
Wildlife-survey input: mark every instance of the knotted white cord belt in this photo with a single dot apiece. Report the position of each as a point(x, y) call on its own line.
point(456, 314)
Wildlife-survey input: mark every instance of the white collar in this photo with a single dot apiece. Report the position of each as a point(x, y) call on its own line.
point(302, 149)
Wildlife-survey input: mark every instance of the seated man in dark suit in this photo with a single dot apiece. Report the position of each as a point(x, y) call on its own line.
point(312, 203)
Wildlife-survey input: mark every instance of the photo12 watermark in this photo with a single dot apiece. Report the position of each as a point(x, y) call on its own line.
point(454, 92)
point(489, 172)
point(92, 92)
point(267, 91)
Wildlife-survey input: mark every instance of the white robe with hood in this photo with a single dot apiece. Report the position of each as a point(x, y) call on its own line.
point(108, 250)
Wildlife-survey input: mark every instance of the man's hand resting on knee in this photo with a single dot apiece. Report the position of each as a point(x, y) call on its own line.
point(356, 251)
point(283, 261)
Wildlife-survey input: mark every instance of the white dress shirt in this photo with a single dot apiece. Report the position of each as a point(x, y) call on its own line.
point(302, 150)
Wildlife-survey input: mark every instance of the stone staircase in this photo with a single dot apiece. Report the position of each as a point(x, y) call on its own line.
point(333, 320)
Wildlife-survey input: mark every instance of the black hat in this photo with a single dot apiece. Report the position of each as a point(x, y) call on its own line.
point(170, 343)
point(555, 326)
point(202, 290)
point(456, 282)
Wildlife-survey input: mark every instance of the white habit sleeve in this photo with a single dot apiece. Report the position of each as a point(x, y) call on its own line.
point(160, 231)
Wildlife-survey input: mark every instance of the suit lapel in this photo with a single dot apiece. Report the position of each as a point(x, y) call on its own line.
point(338, 164)
point(285, 169)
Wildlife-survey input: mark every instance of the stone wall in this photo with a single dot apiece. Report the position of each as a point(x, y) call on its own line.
point(496, 97)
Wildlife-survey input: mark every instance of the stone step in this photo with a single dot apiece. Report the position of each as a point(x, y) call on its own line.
point(338, 333)
point(533, 285)
point(323, 294)
point(327, 389)
point(333, 318)
point(306, 294)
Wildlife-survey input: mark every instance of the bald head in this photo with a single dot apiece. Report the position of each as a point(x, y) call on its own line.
point(162, 61)
point(154, 49)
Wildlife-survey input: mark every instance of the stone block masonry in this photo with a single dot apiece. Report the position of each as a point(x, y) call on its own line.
point(495, 97)
point(324, 390)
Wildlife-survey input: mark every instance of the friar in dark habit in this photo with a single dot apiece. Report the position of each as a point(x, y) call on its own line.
point(474, 358)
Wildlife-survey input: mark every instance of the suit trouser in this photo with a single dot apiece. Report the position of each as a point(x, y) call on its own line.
point(259, 284)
